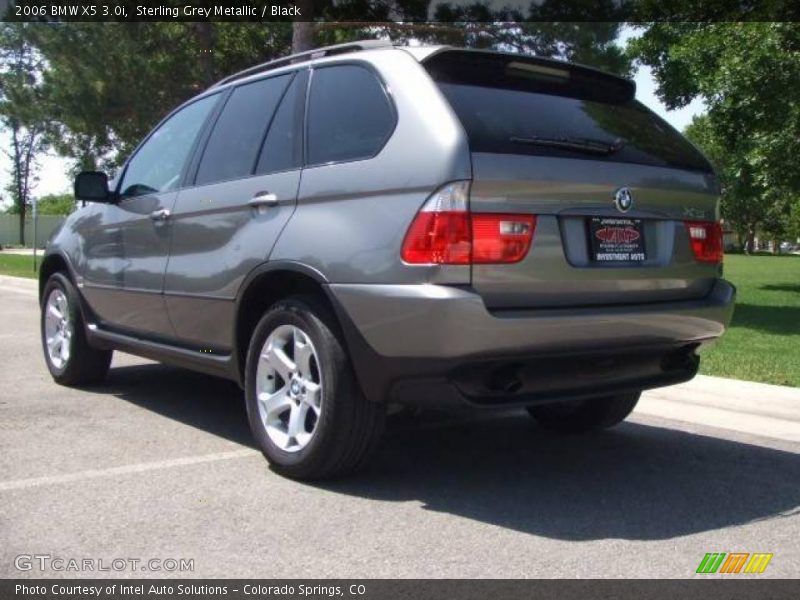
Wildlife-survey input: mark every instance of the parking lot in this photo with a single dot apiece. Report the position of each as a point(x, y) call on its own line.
point(157, 463)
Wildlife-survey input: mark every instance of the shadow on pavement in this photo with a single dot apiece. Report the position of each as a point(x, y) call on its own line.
point(207, 403)
point(634, 482)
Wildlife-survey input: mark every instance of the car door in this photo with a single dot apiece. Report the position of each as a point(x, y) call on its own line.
point(244, 192)
point(127, 251)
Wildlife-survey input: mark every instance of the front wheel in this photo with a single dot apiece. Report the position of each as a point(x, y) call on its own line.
point(582, 416)
point(305, 408)
point(69, 357)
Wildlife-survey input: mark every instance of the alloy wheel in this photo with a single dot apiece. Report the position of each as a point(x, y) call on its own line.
point(289, 388)
point(57, 328)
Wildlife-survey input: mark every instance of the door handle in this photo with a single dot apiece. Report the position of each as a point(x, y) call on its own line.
point(162, 214)
point(263, 199)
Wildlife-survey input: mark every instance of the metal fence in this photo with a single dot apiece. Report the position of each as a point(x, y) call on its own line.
point(9, 229)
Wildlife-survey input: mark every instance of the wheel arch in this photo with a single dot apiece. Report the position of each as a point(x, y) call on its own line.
point(264, 286)
point(53, 263)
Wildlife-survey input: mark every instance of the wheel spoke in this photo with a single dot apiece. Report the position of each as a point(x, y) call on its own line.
point(303, 353)
point(274, 404)
point(53, 312)
point(278, 360)
point(278, 436)
point(297, 421)
point(303, 438)
point(313, 395)
point(62, 303)
point(52, 342)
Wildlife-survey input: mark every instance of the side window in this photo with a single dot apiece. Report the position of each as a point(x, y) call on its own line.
point(349, 115)
point(157, 166)
point(283, 147)
point(234, 143)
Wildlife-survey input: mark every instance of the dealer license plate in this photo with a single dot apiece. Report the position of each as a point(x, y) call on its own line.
point(616, 240)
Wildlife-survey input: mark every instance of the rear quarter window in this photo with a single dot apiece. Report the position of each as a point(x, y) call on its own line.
point(349, 115)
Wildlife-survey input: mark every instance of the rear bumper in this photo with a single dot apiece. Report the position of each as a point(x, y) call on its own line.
point(425, 336)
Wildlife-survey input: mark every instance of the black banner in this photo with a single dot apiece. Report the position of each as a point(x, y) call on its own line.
point(407, 11)
point(488, 589)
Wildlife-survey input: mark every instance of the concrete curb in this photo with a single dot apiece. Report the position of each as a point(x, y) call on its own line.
point(771, 411)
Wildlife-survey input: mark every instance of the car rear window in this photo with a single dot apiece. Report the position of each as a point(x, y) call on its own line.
point(510, 106)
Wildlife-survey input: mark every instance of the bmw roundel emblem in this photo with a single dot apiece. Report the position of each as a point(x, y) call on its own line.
point(623, 199)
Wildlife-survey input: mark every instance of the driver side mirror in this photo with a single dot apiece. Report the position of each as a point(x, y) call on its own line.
point(92, 186)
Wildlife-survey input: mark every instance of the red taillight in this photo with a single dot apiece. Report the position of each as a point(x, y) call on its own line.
point(441, 238)
point(444, 232)
point(706, 240)
point(501, 238)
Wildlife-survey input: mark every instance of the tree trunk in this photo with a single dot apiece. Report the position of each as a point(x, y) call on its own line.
point(22, 224)
point(204, 38)
point(17, 168)
point(303, 31)
point(750, 243)
point(302, 36)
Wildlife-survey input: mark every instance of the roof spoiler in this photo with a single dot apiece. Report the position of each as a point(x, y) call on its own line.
point(500, 69)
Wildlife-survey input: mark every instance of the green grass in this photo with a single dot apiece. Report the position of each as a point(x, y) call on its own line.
point(763, 343)
point(18, 265)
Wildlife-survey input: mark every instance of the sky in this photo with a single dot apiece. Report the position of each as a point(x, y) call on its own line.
point(53, 177)
point(646, 92)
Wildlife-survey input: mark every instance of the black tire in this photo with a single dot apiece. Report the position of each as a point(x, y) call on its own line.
point(348, 426)
point(585, 415)
point(85, 364)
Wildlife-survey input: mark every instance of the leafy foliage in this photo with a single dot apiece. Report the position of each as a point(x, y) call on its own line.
point(55, 204)
point(51, 204)
point(22, 113)
point(108, 84)
point(747, 75)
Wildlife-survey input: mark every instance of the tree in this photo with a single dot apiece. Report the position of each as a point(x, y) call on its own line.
point(50, 204)
point(20, 114)
point(747, 74)
point(780, 221)
point(55, 204)
point(739, 208)
point(794, 219)
point(110, 83)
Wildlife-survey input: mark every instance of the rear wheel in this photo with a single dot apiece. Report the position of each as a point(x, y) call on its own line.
point(69, 357)
point(305, 408)
point(585, 415)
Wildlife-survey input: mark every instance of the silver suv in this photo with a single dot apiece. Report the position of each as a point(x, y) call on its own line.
point(365, 225)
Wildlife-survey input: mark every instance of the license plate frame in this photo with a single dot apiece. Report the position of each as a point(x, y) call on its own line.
point(616, 241)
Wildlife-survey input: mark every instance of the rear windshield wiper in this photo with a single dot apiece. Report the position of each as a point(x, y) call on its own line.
point(578, 144)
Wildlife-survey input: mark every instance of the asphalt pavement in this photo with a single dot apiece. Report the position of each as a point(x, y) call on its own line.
point(157, 465)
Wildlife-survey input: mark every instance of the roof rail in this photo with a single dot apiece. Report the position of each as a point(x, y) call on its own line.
point(307, 55)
